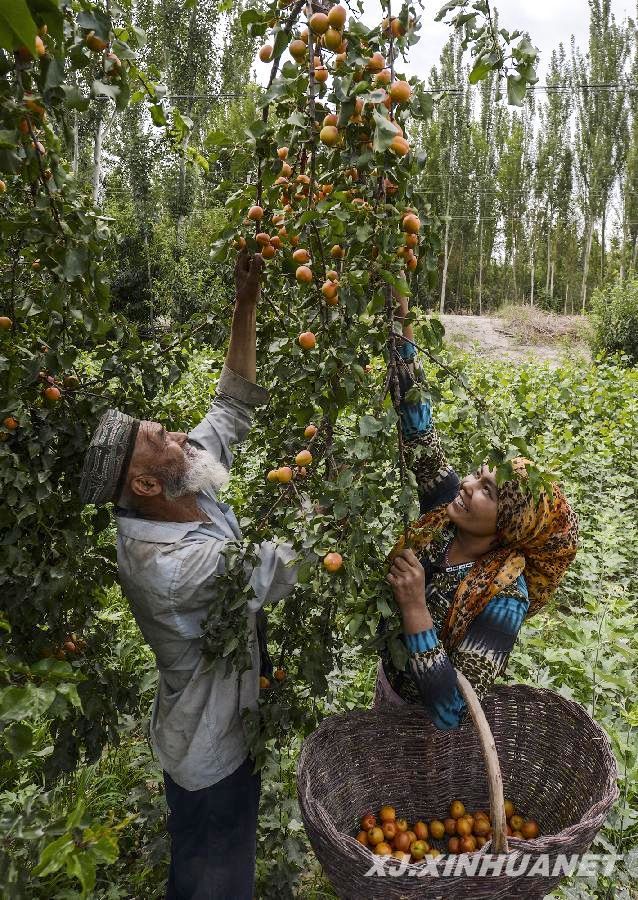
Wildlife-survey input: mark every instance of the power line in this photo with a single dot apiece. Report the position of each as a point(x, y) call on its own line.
point(458, 91)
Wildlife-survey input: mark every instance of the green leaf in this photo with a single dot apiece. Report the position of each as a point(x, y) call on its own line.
point(16, 20)
point(399, 284)
point(54, 855)
point(482, 68)
point(516, 89)
point(445, 9)
point(18, 738)
point(217, 139)
point(75, 263)
point(75, 816)
point(368, 426)
point(157, 114)
point(384, 132)
point(8, 138)
point(102, 89)
point(82, 865)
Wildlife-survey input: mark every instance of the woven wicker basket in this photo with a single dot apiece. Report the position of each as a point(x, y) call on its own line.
point(555, 763)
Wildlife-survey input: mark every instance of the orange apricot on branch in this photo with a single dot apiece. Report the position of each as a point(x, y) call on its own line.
point(332, 39)
point(411, 224)
point(337, 252)
point(307, 340)
point(268, 252)
point(255, 213)
point(329, 135)
point(330, 289)
point(51, 394)
point(400, 146)
point(321, 75)
point(376, 63)
point(310, 431)
point(303, 275)
point(265, 53)
point(10, 423)
point(332, 562)
point(303, 458)
point(319, 23)
point(301, 256)
point(5, 323)
point(337, 17)
point(400, 91)
point(297, 49)
point(95, 42)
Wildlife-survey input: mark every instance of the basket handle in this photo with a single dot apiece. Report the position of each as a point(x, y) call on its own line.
point(494, 777)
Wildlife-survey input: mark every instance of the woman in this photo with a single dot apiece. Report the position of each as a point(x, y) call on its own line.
point(480, 560)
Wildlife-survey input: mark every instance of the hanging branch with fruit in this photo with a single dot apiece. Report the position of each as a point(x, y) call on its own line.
point(338, 219)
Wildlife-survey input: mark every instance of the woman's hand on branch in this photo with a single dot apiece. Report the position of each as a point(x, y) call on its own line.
point(247, 274)
point(407, 580)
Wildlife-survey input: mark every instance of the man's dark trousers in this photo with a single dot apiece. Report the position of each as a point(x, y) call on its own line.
point(213, 837)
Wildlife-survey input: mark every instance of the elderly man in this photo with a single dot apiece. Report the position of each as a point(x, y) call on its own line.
point(172, 530)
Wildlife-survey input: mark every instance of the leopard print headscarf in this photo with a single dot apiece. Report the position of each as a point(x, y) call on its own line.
point(538, 539)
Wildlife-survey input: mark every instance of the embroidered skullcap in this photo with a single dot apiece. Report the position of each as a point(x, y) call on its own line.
point(107, 458)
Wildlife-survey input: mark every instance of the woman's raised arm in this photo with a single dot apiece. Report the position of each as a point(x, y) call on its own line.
point(437, 482)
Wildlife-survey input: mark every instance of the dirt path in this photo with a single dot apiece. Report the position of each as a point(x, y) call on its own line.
point(492, 337)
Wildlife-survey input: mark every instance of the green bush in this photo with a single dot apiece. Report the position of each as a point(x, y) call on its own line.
point(615, 319)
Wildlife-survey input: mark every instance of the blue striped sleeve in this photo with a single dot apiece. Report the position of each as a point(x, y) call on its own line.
point(482, 656)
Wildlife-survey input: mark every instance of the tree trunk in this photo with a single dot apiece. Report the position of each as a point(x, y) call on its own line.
point(634, 254)
point(551, 280)
point(531, 283)
point(181, 192)
point(588, 241)
point(549, 259)
point(566, 297)
point(459, 281)
point(621, 274)
point(150, 281)
point(514, 285)
point(446, 251)
point(480, 279)
point(97, 159)
point(602, 245)
point(76, 144)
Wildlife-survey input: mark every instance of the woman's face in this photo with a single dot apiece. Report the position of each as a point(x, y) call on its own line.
point(475, 508)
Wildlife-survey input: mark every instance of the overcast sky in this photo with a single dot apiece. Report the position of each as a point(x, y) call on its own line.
point(548, 21)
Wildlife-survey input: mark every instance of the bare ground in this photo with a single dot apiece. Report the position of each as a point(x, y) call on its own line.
point(518, 336)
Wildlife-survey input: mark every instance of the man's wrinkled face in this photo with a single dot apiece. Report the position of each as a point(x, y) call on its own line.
point(475, 508)
point(164, 462)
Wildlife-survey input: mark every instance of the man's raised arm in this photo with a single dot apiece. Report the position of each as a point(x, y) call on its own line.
point(230, 417)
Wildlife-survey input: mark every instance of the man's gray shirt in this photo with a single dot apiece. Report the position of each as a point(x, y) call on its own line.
point(167, 572)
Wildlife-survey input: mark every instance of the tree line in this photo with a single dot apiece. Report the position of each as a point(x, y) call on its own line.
point(535, 205)
point(538, 205)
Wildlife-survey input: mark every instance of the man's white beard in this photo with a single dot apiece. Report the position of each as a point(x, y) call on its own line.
point(202, 472)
